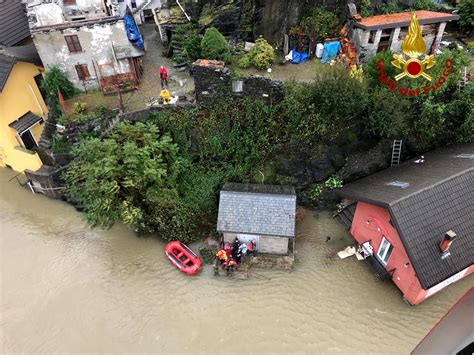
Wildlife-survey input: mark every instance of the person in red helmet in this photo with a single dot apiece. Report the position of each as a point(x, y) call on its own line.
point(163, 76)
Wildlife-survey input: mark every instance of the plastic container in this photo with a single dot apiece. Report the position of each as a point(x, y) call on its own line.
point(319, 50)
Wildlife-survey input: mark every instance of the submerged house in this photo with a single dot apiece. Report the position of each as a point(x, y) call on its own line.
point(22, 102)
point(415, 223)
point(374, 34)
point(22, 109)
point(95, 47)
point(264, 213)
point(453, 334)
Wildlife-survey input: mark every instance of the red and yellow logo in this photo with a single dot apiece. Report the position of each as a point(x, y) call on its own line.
point(413, 64)
point(413, 47)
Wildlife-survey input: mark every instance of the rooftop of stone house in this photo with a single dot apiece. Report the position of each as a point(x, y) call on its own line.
point(403, 19)
point(45, 15)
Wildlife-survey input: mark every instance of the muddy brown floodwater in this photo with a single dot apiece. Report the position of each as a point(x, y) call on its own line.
point(67, 288)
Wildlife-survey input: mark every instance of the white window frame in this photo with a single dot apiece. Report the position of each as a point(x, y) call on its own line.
point(383, 255)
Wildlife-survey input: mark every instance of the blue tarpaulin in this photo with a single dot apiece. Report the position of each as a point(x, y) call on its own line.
point(299, 57)
point(132, 32)
point(330, 51)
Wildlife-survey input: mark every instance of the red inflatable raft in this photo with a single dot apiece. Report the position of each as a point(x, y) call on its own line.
point(183, 257)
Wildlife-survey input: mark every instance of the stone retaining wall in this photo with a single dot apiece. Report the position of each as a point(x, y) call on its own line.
point(212, 80)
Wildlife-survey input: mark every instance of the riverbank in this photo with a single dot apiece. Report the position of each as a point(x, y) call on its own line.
point(67, 288)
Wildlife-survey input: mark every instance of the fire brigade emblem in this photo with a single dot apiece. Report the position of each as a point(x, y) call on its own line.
point(413, 48)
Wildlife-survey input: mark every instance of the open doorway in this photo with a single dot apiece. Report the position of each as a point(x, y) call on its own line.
point(28, 140)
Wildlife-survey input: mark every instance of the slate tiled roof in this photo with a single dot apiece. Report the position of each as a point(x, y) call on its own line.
point(440, 198)
point(13, 23)
point(6, 66)
point(403, 19)
point(24, 122)
point(257, 209)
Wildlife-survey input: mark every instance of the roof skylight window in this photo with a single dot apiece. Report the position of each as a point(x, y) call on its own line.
point(400, 184)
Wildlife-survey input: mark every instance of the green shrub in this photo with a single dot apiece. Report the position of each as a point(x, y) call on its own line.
point(79, 107)
point(333, 182)
point(262, 55)
point(315, 191)
point(470, 45)
point(391, 7)
point(365, 8)
point(56, 79)
point(245, 62)
point(237, 74)
point(466, 14)
point(191, 48)
point(425, 5)
point(60, 145)
point(320, 23)
point(215, 46)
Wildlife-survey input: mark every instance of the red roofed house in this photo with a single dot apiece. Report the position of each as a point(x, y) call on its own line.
point(414, 223)
point(454, 333)
point(373, 34)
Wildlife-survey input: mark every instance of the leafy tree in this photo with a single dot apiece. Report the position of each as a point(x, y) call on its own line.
point(215, 46)
point(192, 48)
point(56, 79)
point(313, 111)
point(262, 55)
point(424, 5)
point(130, 177)
point(391, 6)
point(466, 14)
point(384, 58)
point(319, 23)
point(365, 8)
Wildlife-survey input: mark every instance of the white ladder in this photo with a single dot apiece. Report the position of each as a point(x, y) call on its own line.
point(396, 152)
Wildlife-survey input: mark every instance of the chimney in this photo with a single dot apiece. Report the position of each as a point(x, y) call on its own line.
point(446, 242)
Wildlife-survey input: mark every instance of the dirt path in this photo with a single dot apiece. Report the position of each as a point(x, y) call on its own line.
point(179, 83)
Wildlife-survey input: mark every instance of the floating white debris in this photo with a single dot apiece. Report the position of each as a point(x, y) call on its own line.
point(349, 251)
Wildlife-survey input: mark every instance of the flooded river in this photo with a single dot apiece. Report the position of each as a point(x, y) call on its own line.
point(66, 288)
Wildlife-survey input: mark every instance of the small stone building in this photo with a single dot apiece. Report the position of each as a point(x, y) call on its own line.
point(88, 43)
point(264, 213)
point(374, 34)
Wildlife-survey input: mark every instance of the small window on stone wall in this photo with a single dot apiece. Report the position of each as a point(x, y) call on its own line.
point(237, 86)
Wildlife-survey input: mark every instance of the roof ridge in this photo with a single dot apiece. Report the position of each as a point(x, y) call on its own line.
point(260, 193)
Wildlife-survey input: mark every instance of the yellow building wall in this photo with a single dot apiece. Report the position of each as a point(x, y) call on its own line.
point(20, 95)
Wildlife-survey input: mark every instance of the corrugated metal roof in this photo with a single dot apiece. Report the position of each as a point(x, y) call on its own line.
point(6, 65)
point(14, 26)
point(440, 198)
point(252, 209)
point(24, 122)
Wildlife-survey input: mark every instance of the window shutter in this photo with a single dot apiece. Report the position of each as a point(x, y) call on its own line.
point(80, 72)
point(73, 43)
point(70, 46)
point(86, 72)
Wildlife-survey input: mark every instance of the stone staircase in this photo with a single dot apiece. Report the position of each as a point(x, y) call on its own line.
point(346, 215)
point(47, 135)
